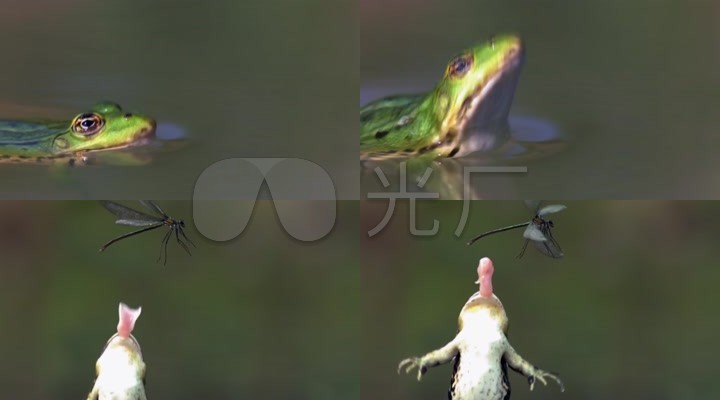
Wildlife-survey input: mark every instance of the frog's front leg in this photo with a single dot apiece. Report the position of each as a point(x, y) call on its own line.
point(431, 359)
point(93, 395)
point(520, 365)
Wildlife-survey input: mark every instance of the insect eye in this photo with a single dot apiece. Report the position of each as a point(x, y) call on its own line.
point(460, 66)
point(87, 124)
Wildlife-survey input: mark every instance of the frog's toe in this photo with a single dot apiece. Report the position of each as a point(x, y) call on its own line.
point(531, 381)
point(540, 375)
point(556, 379)
point(409, 363)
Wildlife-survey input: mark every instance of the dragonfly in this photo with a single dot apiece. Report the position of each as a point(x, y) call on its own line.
point(131, 217)
point(537, 230)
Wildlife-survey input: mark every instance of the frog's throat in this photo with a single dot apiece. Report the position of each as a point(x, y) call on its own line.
point(130, 339)
point(482, 121)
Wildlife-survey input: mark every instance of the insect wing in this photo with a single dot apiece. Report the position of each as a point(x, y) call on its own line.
point(549, 247)
point(533, 232)
point(135, 222)
point(151, 205)
point(551, 209)
point(532, 205)
point(128, 216)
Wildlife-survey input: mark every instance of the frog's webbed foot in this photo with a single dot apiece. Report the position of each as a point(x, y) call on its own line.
point(540, 375)
point(414, 362)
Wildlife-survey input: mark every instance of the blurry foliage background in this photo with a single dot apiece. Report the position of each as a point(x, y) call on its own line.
point(629, 312)
point(261, 316)
point(632, 84)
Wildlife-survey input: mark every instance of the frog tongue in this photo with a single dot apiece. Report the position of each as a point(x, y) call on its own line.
point(485, 270)
point(128, 316)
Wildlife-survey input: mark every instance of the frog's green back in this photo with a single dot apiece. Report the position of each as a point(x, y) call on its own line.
point(26, 140)
point(28, 133)
point(389, 102)
point(390, 124)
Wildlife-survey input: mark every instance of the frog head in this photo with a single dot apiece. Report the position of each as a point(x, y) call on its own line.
point(476, 91)
point(105, 126)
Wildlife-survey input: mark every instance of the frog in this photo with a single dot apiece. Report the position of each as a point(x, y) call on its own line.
point(467, 111)
point(481, 350)
point(105, 127)
point(120, 368)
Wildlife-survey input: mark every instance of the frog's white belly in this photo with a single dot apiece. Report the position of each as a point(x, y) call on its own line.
point(120, 378)
point(132, 393)
point(479, 374)
point(120, 388)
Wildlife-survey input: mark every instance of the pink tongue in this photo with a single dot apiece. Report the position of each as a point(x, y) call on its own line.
point(485, 270)
point(128, 316)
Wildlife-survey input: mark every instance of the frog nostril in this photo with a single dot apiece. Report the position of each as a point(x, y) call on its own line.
point(128, 115)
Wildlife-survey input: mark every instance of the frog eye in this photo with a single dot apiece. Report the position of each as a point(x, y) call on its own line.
point(87, 124)
point(459, 66)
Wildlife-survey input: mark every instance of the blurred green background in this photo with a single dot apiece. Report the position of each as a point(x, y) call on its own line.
point(632, 84)
point(242, 78)
point(261, 316)
point(629, 312)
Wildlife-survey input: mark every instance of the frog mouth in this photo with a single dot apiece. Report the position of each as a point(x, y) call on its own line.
point(483, 116)
point(142, 138)
point(130, 337)
point(146, 135)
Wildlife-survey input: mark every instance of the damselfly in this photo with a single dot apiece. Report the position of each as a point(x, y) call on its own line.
point(537, 230)
point(128, 216)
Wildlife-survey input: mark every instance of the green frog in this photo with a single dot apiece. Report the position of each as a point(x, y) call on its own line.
point(105, 127)
point(466, 112)
point(481, 349)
